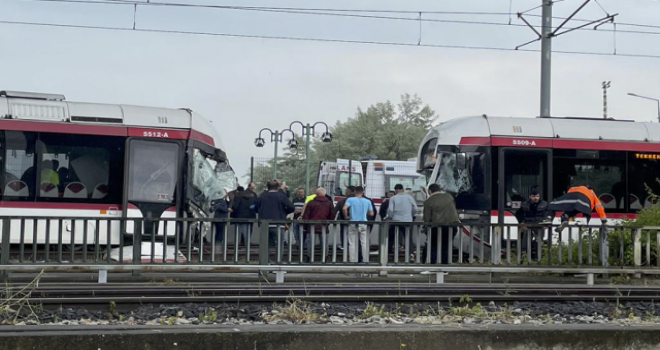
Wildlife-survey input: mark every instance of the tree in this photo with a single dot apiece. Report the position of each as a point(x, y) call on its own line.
point(384, 130)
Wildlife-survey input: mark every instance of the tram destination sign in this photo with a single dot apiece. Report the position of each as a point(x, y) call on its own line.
point(651, 156)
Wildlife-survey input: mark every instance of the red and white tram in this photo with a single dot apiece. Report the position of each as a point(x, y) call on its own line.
point(490, 163)
point(73, 159)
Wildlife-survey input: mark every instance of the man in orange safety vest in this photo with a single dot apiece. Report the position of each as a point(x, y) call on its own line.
point(578, 199)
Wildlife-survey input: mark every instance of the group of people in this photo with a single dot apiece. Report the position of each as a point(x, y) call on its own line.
point(535, 211)
point(398, 208)
point(275, 205)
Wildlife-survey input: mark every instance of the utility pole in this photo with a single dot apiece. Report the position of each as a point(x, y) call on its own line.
point(546, 57)
point(276, 138)
point(547, 33)
point(606, 85)
point(308, 132)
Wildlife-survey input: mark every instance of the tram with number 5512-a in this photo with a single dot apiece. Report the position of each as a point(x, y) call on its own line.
point(106, 162)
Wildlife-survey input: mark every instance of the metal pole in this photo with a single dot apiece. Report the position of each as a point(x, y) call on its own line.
point(546, 55)
point(251, 169)
point(307, 135)
point(277, 139)
point(350, 172)
point(658, 110)
point(606, 85)
point(4, 247)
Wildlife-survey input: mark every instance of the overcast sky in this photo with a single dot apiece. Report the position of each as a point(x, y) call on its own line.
point(245, 84)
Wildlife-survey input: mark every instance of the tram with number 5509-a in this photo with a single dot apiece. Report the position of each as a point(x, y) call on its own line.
point(490, 163)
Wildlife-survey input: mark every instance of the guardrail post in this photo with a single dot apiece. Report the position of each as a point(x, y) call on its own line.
point(5, 247)
point(137, 245)
point(637, 247)
point(496, 245)
point(382, 245)
point(263, 247)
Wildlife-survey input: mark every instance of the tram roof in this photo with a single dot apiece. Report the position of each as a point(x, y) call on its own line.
point(29, 106)
point(468, 130)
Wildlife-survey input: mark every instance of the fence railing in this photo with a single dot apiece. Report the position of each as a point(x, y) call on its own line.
point(78, 243)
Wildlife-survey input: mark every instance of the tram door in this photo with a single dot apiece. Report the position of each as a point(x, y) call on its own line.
point(521, 170)
point(154, 173)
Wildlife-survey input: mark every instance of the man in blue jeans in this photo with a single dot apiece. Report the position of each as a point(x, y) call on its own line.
point(357, 209)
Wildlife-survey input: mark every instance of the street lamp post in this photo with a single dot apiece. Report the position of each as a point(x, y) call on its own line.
point(276, 138)
point(308, 130)
point(648, 98)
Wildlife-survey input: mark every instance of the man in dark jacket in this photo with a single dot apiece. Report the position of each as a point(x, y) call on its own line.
point(382, 212)
point(439, 208)
point(220, 211)
point(350, 192)
point(243, 208)
point(273, 205)
point(532, 211)
point(319, 208)
point(299, 204)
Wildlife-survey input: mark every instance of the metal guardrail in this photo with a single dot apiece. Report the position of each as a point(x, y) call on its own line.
point(84, 243)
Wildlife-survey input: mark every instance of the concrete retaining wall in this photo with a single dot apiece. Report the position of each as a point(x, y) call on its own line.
point(328, 338)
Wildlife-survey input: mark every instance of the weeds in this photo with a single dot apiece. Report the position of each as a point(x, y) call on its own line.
point(16, 303)
point(112, 308)
point(297, 311)
point(373, 310)
point(209, 315)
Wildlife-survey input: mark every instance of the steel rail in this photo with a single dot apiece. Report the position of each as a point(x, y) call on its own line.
point(130, 294)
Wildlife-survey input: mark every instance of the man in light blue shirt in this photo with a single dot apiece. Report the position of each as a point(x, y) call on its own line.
point(356, 209)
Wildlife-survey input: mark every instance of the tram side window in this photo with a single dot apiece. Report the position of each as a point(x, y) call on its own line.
point(20, 172)
point(643, 174)
point(428, 154)
point(602, 170)
point(79, 168)
point(523, 170)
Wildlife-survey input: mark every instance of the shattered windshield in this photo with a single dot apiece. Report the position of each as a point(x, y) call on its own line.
point(212, 179)
point(463, 175)
point(461, 172)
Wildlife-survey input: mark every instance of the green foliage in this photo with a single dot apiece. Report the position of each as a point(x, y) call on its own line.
point(385, 130)
point(209, 315)
point(371, 310)
point(622, 240)
point(112, 308)
point(465, 299)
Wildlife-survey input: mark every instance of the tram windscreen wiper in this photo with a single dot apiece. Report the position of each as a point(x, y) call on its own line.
point(154, 176)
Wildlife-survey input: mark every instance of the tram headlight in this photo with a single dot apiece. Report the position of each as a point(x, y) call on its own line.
point(326, 137)
point(259, 142)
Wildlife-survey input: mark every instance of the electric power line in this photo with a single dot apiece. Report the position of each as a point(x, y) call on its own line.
point(333, 12)
point(256, 8)
point(384, 43)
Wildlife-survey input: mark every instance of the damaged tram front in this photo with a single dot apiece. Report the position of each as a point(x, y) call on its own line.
point(107, 162)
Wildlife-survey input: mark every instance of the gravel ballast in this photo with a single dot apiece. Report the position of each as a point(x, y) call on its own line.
point(462, 312)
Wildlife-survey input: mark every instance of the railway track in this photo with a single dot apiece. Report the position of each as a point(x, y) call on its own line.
point(90, 294)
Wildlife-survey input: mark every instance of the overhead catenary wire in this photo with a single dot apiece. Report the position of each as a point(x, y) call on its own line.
point(344, 13)
point(346, 41)
point(256, 8)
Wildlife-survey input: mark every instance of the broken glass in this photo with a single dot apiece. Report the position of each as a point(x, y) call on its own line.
point(212, 179)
